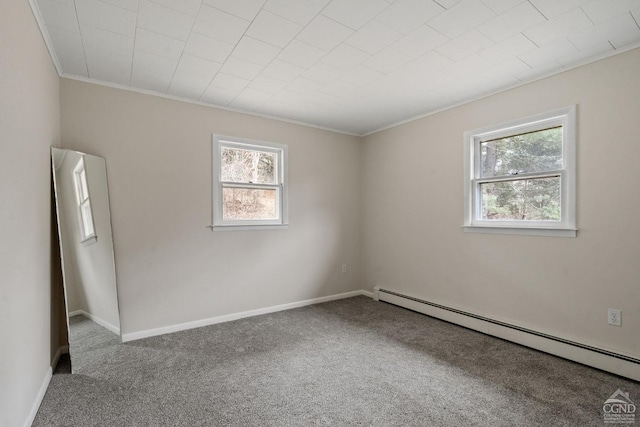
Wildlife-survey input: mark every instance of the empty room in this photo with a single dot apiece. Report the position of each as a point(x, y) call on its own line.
point(319, 212)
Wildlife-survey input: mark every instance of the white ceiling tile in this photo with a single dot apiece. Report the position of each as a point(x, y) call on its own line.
point(407, 15)
point(362, 76)
point(620, 27)
point(510, 67)
point(267, 84)
point(66, 42)
point(273, 29)
point(70, 52)
point(387, 60)
point(182, 91)
point(188, 7)
point(131, 5)
point(109, 67)
point(477, 85)
point(255, 51)
point(544, 68)
point(157, 44)
point(154, 63)
point(298, 11)
point(553, 8)
point(420, 41)
point(582, 55)
point(240, 68)
point(603, 10)
point(427, 64)
point(323, 73)
point(625, 40)
point(509, 48)
point(447, 4)
point(249, 99)
point(219, 96)
point(465, 45)
point(284, 96)
point(550, 53)
point(229, 82)
point(196, 81)
point(373, 37)
point(106, 17)
point(354, 13)
point(501, 6)
point(198, 66)
point(208, 48)
point(149, 80)
point(220, 25)
point(74, 65)
point(58, 16)
point(282, 71)
point(304, 86)
point(106, 41)
point(245, 9)
point(345, 57)
point(301, 54)
point(512, 22)
point(324, 33)
point(636, 15)
point(561, 26)
point(461, 18)
point(470, 65)
point(162, 20)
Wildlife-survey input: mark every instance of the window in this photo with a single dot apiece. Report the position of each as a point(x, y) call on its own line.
point(520, 176)
point(249, 184)
point(87, 229)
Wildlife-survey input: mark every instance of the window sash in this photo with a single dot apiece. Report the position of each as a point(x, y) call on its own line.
point(279, 185)
point(85, 214)
point(473, 139)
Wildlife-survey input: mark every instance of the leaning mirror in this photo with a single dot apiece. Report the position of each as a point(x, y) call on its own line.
point(86, 247)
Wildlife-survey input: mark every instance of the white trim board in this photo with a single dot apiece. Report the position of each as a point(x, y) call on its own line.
point(96, 319)
point(44, 386)
point(595, 359)
point(131, 336)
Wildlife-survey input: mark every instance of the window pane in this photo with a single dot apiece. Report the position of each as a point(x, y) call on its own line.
point(87, 220)
point(248, 166)
point(525, 153)
point(248, 203)
point(523, 200)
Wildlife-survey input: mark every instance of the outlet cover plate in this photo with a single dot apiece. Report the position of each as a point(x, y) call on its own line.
point(614, 317)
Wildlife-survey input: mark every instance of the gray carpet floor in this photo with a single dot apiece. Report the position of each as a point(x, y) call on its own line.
point(352, 362)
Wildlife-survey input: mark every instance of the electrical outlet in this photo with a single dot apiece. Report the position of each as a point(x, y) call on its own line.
point(344, 268)
point(614, 317)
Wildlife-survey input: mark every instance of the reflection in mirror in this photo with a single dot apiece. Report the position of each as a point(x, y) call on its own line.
point(86, 245)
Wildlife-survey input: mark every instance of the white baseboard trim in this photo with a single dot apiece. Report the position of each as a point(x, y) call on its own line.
point(573, 351)
point(96, 319)
point(39, 397)
point(131, 336)
point(45, 385)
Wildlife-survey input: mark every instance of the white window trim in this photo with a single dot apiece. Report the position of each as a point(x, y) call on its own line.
point(280, 150)
point(566, 227)
point(85, 238)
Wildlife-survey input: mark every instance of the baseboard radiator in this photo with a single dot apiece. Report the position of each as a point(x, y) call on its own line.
point(619, 364)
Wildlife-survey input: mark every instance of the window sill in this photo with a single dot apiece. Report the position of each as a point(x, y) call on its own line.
point(89, 241)
point(249, 227)
point(549, 232)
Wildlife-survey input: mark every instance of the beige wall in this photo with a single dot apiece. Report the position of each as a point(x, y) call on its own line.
point(171, 268)
point(413, 211)
point(29, 124)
